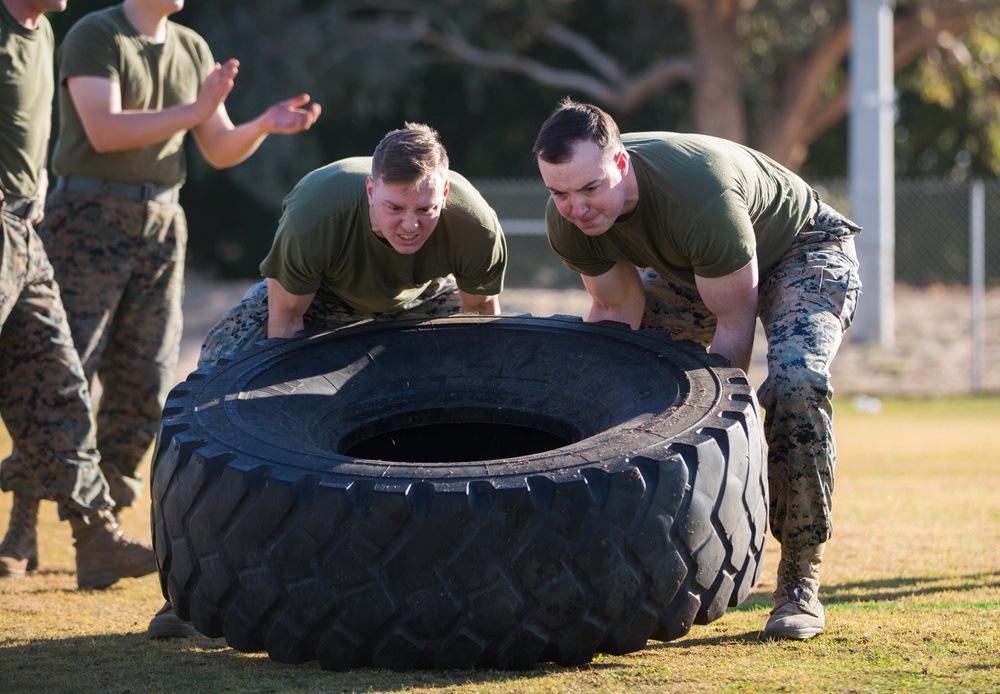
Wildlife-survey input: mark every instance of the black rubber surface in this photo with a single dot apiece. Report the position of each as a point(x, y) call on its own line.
point(464, 492)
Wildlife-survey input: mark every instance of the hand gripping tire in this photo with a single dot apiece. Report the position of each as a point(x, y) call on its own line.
point(459, 493)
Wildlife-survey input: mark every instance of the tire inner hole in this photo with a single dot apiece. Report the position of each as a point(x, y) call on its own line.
point(457, 435)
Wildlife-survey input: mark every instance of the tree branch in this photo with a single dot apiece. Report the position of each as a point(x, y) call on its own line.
point(805, 116)
point(590, 53)
point(620, 91)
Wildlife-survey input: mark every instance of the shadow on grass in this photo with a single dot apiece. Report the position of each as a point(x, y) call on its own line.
point(131, 662)
point(888, 590)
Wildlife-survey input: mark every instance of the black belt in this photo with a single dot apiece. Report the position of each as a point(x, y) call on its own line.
point(25, 208)
point(143, 192)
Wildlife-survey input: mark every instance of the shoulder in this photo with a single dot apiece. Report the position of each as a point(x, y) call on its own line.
point(97, 33)
point(330, 194)
point(670, 146)
point(345, 177)
point(45, 30)
point(104, 22)
point(466, 202)
point(187, 36)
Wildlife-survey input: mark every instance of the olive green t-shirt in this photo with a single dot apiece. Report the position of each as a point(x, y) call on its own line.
point(706, 206)
point(151, 76)
point(26, 85)
point(325, 243)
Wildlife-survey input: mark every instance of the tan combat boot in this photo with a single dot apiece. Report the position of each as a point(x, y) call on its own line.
point(105, 554)
point(797, 612)
point(19, 549)
point(165, 624)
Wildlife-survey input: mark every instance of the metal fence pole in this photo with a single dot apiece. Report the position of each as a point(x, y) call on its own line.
point(977, 279)
point(871, 166)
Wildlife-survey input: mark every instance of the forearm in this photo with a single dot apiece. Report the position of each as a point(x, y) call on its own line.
point(483, 305)
point(733, 300)
point(617, 296)
point(283, 324)
point(630, 314)
point(232, 145)
point(285, 311)
point(734, 343)
point(224, 144)
point(129, 130)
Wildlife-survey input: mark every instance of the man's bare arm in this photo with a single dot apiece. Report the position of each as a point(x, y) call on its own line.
point(733, 300)
point(285, 310)
point(224, 144)
point(617, 295)
point(109, 128)
point(483, 305)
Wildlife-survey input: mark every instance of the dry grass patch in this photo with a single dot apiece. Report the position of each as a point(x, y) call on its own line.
point(911, 584)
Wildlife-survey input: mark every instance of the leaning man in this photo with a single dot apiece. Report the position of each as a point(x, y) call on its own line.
point(392, 236)
point(698, 237)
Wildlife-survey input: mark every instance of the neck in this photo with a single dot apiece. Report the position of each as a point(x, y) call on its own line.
point(24, 12)
point(631, 191)
point(149, 22)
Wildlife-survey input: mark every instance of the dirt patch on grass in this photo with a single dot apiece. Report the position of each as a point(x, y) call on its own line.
point(932, 353)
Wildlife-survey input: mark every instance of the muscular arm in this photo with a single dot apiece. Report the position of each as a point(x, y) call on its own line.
point(224, 144)
point(733, 300)
point(616, 295)
point(483, 305)
point(285, 310)
point(109, 128)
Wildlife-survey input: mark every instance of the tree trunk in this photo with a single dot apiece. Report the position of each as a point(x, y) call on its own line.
point(718, 100)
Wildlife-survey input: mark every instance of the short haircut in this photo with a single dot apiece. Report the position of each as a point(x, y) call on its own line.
point(572, 123)
point(409, 155)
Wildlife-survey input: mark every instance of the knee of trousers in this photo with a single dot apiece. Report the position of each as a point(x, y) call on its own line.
point(794, 388)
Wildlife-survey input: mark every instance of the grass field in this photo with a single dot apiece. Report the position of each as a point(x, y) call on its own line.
point(911, 586)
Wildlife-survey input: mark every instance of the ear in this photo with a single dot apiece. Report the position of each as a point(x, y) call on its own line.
point(370, 187)
point(622, 162)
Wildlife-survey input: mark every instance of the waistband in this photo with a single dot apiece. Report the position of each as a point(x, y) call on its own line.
point(24, 208)
point(141, 192)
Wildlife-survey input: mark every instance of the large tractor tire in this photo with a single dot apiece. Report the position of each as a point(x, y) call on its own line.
point(457, 493)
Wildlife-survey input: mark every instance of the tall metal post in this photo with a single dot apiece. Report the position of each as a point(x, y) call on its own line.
point(977, 280)
point(871, 167)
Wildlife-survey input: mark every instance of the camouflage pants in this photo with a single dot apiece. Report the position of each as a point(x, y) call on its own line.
point(806, 302)
point(246, 323)
point(44, 398)
point(120, 265)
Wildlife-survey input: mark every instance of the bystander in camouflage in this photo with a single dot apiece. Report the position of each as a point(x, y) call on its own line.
point(44, 397)
point(131, 85)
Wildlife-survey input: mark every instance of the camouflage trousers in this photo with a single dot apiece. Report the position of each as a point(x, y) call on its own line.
point(120, 265)
point(44, 398)
point(806, 302)
point(246, 323)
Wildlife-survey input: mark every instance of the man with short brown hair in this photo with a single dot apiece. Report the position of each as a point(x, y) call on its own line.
point(698, 237)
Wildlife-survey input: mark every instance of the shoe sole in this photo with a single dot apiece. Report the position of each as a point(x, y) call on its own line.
point(106, 580)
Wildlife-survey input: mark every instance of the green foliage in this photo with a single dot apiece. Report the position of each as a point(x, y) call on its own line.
point(358, 61)
point(949, 107)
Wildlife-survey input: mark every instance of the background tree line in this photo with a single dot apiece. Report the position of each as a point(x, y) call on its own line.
point(770, 73)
